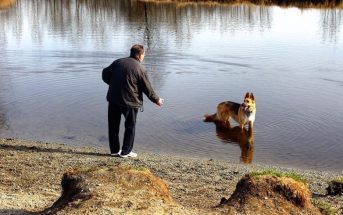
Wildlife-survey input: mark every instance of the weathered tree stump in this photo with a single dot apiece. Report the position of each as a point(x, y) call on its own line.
point(335, 188)
point(74, 187)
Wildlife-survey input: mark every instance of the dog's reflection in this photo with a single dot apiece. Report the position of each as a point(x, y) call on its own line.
point(245, 139)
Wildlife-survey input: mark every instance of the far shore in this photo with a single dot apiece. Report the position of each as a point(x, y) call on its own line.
point(31, 172)
point(290, 3)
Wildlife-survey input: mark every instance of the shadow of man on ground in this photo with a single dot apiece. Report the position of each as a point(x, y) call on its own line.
point(48, 150)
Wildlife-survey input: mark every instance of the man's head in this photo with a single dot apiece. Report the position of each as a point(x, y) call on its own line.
point(137, 52)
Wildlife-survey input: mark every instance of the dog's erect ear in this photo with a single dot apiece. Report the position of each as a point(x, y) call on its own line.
point(252, 96)
point(246, 95)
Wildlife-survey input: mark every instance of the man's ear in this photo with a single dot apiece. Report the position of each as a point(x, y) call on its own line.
point(141, 57)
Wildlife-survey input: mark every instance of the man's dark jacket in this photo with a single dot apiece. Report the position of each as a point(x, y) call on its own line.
point(128, 80)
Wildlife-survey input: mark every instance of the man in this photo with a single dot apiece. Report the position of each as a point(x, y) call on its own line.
point(127, 80)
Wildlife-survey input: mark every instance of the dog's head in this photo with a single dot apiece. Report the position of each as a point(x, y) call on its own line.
point(249, 103)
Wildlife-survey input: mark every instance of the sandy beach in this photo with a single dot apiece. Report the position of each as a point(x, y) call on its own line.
point(31, 172)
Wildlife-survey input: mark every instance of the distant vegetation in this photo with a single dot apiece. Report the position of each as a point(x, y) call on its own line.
point(282, 3)
point(6, 3)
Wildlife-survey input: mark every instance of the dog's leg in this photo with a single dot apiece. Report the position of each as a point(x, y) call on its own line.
point(241, 126)
point(251, 125)
point(226, 123)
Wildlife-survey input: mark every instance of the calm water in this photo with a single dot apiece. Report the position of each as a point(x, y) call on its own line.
point(53, 52)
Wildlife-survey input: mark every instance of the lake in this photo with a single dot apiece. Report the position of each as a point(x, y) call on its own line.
point(197, 55)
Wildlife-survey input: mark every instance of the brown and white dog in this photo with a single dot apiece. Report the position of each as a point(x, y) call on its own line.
point(243, 113)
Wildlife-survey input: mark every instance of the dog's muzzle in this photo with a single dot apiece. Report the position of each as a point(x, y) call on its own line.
point(246, 109)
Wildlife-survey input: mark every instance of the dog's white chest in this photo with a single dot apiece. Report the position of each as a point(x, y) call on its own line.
point(251, 118)
point(244, 119)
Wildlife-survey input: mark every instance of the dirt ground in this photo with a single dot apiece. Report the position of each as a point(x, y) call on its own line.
point(31, 175)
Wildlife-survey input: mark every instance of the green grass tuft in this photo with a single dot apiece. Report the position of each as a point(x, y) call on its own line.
point(324, 207)
point(277, 173)
point(338, 180)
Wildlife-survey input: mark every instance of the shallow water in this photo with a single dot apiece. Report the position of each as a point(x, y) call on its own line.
point(197, 56)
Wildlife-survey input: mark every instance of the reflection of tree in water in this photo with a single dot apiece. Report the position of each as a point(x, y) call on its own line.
point(3, 119)
point(6, 7)
point(331, 20)
point(4, 83)
point(7, 17)
point(157, 25)
point(227, 17)
point(151, 21)
point(160, 27)
point(168, 25)
point(163, 20)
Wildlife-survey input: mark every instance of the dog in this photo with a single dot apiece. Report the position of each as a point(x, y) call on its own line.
point(243, 114)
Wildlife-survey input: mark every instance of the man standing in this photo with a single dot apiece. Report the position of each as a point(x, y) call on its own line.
point(127, 80)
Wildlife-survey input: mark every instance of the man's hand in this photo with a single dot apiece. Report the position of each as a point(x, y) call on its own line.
point(160, 102)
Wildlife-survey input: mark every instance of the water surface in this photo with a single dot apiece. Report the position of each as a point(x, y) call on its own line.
point(53, 52)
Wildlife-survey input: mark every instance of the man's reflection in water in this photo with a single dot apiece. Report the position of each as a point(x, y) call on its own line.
point(245, 139)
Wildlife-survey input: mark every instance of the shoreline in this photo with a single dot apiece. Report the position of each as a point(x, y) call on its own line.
point(193, 183)
point(143, 151)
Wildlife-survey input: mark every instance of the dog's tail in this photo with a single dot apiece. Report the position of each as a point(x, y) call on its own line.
point(210, 117)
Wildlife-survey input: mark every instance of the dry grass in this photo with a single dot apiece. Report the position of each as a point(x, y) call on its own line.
point(289, 184)
point(271, 194)
point(96, 190)
point(294, 191)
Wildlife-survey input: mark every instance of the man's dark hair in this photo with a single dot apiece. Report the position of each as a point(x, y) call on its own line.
point(136, 51)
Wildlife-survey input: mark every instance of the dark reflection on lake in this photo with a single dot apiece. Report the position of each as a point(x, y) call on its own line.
point(53, 52)
point(235, 135)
